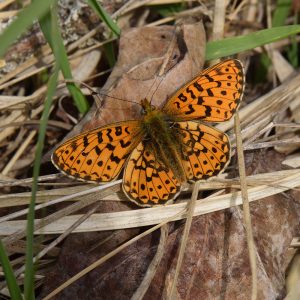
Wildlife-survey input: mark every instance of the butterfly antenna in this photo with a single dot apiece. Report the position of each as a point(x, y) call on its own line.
point(93, 92)
point(153, 83)
point(120, 99)
point(161, 81)
point(157, 87)
point(167, 57)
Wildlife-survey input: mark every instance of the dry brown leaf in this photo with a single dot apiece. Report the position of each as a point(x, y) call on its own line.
point(142, 52)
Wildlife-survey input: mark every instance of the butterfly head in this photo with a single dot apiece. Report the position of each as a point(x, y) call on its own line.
point(147, 107)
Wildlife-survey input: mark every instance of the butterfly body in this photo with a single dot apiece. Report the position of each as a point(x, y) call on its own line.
point(162, 139)
point(166, 146)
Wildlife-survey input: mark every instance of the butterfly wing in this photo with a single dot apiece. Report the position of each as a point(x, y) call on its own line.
point(213, 96)
point(99, 154)
point(146, 180)
point(206, 150)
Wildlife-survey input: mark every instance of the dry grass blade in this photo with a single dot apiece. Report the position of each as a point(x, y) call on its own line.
point(293, 279)
point(8, 14)
point(25, 181)
point(152, 268)
point(57, 215)
point(18, 153)
point(65, 198)
point(246, 207)
point(271, 144)
point(219, 20)
point(295, 242)
point(106, 257)
point(59, 239)
point(5, 3)
point(19, 199)
point(150, 216)
point(185, 235)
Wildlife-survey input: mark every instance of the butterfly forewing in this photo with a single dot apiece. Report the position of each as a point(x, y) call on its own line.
point(146, 180)
point(213, 96)
point(206, 150)
point(100, 154)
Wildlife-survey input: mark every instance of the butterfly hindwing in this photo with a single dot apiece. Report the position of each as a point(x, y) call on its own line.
point(213, 96)
point(98, 155)
point(206, 150)
point(146, 180)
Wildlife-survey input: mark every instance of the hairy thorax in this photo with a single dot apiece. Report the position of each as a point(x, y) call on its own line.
point(165, 141)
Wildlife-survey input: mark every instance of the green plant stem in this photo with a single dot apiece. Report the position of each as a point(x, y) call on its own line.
point(29, 267)
point(230, 46)
point(14, 289)
point(105, 17)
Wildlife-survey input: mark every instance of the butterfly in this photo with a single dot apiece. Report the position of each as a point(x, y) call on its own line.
point(165, 146)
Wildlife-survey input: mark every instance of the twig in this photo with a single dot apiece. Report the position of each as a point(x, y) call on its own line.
point(142, 289)
point(185, 236)
point(18, 153)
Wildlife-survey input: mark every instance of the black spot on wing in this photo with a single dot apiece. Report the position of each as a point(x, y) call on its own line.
point(191, 110)
point(118, 130)
point(125, 145)
point(182, 97)
point(210, 93)
point(109, 130)
point(99, 136)
point(85, 141)
point(198, 86)
point(188, 90)
point(97, 150)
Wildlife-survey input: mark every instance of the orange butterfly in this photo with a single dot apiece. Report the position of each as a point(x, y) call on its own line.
point(166, 146)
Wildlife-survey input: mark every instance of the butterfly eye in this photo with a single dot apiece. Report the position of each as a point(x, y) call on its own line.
point(143, 111)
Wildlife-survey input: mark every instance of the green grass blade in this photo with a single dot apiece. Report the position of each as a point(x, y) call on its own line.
point(230, 46)
point(52, 33)
point(25, 18)
point(278, 19)
point(167, 10)
point(110, 54)
point(61, 56)
point(281, 12)
point(29, 271)
point(263, 67)
point(293, 50)
point(46, 25)
point(14, 290)
point(105, 17)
